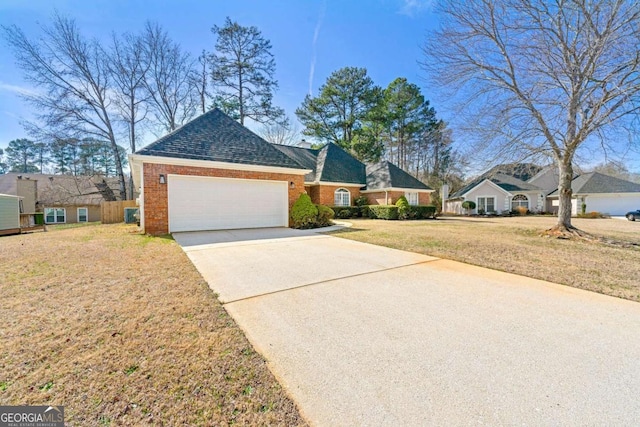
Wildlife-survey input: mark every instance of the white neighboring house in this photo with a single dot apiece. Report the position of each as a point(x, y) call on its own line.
point(499, 192)
point(600, 193)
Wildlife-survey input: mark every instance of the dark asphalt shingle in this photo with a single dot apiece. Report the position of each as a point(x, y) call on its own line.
point(385, 175)
point(597, 183)
point(217, 137)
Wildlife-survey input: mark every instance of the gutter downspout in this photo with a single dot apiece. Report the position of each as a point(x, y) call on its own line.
point(386, 197)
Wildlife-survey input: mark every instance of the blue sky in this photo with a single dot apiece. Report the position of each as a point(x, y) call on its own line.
point(310, 38)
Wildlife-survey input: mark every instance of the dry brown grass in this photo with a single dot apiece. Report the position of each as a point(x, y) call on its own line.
point(122, 330)
point(514, 245)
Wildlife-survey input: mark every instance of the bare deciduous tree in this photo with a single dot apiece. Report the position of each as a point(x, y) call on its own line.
point(200, 81)
point(74, 83)
point(550, 76)
point(283, 133)
point(128, 69)
point(168, 79)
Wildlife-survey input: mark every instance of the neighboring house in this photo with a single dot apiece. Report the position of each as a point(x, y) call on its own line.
point(600, 193)
point(63, 199)
point(504, 188)
point(9, 214)
point(213, 173)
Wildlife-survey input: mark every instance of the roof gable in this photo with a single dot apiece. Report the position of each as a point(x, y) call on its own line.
point(597, 183)
point(336, 165)
point(386, 175)
point(214, 136)
point(306, 157)
point(503, 177)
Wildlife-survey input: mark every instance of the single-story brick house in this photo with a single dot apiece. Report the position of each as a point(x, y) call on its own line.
point(64, 199)
point(213, 174)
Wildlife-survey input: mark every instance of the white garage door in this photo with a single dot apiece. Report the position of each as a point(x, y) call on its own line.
point(204, 203)
point(613, 204)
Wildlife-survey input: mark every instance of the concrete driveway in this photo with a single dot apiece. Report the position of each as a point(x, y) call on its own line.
point(370, 336)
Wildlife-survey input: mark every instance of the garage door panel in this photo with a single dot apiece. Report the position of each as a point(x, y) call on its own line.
point(204, 203)
point(613, 204)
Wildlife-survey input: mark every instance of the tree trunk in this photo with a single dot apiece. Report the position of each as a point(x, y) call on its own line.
point(565, 169)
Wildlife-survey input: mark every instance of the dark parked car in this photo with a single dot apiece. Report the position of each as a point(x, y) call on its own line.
point(631, 216)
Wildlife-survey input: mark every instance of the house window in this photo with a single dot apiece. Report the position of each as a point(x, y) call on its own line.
point(412, 198)
point(486, 204)
point(83, 215)
point(519, 200)
point(342, 197)
point(55, 215)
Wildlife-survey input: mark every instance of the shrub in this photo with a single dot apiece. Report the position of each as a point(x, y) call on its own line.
point(521, 210)
point(423, 211)
point(361, 201)
point(325, 215)
point(404, 210)
point(304, 213)
point(344, 212)
point(468, 205)
point(593, 215)
point(383, 212)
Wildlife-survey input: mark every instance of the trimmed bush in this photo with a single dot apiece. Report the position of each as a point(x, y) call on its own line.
point(325, 215)
point(304, 213)
point(404, 210)
point(344, 212)
point(383, 212)
point(468, 205)
point(423, 211)
point(361, 201)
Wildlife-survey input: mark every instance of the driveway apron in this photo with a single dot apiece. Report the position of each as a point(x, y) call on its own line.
point(364, 335)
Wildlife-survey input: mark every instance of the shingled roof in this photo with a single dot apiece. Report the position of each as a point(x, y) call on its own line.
point(217, 137)
point(328, 164)
point(385, 175)
point(306, 157)
point(509, 177)
point(595, 183)
point(60, 190)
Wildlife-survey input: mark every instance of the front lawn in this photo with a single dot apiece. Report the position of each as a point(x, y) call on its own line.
point(122, 330)
point(514, 245)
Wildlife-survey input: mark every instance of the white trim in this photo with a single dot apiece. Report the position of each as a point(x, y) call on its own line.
point(411, 190)
point(55, 216)
point(210, 164)
point(407, 195)
point(341, 190)
point(78, 214)
point(495, 209)
point(576, 195)
point(335, 184)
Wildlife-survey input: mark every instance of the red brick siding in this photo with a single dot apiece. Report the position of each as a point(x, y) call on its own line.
point(378, 198)
point(156, 220)
point(324, 194)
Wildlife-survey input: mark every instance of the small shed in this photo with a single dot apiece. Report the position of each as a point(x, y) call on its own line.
point(9, 214)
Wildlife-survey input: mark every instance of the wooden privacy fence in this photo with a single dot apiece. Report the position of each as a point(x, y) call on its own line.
point(113, 212)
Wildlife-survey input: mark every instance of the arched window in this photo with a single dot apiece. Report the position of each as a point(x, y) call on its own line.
point(342, 197)
point(519, 200)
